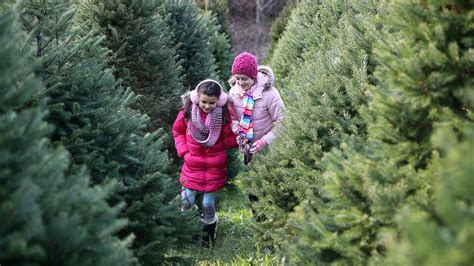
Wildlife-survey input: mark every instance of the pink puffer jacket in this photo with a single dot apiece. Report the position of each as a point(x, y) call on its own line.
point(268, 109)
point(204, 169)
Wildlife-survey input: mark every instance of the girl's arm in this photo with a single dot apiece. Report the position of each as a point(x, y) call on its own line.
point(276, 108)
point(233, 117)
point(179, 135)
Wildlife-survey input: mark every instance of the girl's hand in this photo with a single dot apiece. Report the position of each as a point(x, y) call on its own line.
point(258, 145)
point(241, 140)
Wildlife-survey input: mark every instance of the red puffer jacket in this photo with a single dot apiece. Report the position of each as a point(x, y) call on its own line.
point(204, 168)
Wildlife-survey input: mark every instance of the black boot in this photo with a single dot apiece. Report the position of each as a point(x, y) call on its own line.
point(210, 235)
point(259, 217)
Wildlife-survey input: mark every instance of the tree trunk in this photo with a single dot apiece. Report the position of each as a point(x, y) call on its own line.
point(257, 22)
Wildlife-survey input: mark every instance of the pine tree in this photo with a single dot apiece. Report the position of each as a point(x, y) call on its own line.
point(48, 217)
point(279, 26)
point(94, 121)
point(191, 39)
point(443, 234)
point(220, 9)
point(143, 55)
point(326, 87)
point(220, 44)
point(437, 222)
point(381, 188)
point(6, 5)
point(293, 41)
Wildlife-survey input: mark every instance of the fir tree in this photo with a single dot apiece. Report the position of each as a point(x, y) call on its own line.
point(191, 39)
point(94, 121)
point(293, 42)
point(6, 5)
point(220, 45)
point(48, 217)
point(326, 87)
point(144, 57)
point(279, 26)
point(220, 9)
point(443, 234)
point(423, 66)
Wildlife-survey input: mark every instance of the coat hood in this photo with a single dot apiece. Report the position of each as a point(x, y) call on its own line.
point(186, 96)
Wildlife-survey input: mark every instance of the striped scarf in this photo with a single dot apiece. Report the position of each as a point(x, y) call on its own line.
point(246, 125)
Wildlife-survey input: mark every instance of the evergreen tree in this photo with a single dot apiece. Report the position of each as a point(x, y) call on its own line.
point(6, 5)
point(293, 40)
point(326, 87)
point(191, 39)
point(220, 45)
point(94, 121)
point(48, 217)
point(279, 26)
point(144, 57)
point(220, 9)
point(444, 234)
point(423, 64)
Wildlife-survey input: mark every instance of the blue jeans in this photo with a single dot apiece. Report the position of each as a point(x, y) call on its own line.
point(188, 197)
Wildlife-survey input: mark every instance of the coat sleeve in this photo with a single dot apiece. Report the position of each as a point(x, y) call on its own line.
point(229, 138)
point(233, 117)
point(179, 135)
point(276, 108)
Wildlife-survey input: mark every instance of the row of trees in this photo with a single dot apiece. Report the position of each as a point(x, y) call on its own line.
point(89, 90)
point(374, 163)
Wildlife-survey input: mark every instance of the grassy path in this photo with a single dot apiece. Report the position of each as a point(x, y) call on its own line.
point(236, 244)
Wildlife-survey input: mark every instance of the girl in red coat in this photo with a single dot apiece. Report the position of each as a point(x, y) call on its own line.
point(202, 132)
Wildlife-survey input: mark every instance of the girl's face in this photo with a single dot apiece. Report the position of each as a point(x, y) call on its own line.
point(244, 81)
point(207, 103)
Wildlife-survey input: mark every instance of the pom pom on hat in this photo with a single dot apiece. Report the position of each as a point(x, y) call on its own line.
point(246, 64)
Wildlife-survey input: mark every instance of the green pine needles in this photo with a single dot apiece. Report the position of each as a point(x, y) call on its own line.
point(388, 90)
point(50, 215)
point(143, 55)
point(373, 164)
point(94, 120)
point(322, 93)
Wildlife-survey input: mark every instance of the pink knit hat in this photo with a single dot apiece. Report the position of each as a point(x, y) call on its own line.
point(246, 64)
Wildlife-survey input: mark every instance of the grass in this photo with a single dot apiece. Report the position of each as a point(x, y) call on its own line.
point(236, 242)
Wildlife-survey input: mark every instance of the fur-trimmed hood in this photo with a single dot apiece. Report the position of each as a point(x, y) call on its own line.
point(185, 97)
point(267, 72)
point(268, 107)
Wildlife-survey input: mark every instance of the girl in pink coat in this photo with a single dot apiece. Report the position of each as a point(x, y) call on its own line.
point(201, 134)
point(257, 105)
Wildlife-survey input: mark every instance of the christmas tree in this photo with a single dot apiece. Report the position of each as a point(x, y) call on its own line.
point(220, 44)
point(279, 26)
point(191, 40)
point(94, 121)
point(377, 191)
point(143, 55)
point(326, 87)
point(220, 9)
point(442, 234)
point(292, 43)
point(48, 217)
